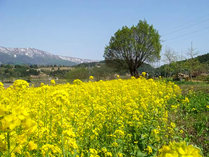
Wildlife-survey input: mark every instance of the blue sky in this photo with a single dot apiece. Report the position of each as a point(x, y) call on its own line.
point(82, 28)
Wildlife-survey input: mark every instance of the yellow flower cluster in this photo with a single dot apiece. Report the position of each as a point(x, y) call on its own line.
point(179, 149)
point(105, 118)
point(1, 85)
point(91, 77)
point(144, 74)
point(52, 82)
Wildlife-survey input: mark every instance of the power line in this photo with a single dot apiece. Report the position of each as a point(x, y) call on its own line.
point(185, 34)
point(186, 27)
point(189, 24)
point(191, 21)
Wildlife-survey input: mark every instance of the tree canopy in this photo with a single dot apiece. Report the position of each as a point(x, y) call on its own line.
point(131, 47)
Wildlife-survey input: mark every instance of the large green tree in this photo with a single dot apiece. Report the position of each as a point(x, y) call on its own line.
point(131, 47)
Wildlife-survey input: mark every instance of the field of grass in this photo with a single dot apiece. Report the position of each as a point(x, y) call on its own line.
point(194, 117)
point(187, 86)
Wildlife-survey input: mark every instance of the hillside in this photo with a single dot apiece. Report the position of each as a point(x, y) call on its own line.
point(203, 58)
point(192, 67)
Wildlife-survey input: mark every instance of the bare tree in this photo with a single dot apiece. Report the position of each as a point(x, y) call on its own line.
point(169, 56)
point(192, 63)
point(192, 52)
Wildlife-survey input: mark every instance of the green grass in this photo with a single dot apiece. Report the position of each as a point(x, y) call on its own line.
point(193, 117)
point(187, 86)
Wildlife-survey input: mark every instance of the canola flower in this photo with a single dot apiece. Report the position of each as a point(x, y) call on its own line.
point(1, 85)
point(149, 149)
point(179, 149)
point(105, 118)
point(52, 82)
point(91, 77)
point(144, 74)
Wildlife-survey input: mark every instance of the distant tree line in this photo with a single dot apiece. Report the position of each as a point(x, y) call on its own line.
point(8, 71)
point(193, 67)
point(100, 71)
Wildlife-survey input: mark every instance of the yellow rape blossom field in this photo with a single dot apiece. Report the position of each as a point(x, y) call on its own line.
point(106, 118)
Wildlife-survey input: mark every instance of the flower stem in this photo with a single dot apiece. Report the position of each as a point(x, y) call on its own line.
point(8, 143)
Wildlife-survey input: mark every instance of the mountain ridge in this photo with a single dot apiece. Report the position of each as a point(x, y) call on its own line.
point(36, 56)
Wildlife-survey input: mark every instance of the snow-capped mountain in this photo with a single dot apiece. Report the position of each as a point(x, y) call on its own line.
point(35, 56)
point(76, 60)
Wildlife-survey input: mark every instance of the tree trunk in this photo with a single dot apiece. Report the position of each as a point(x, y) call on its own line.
point(136, 74)
point(133, 70)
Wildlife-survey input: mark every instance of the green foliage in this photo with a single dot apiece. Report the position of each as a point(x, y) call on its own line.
point(203, 58)
point(78, 73)
point(99, 71)
point(130, 47)
point(17, 71)
point(192, 119)
point(207, 79)
point(199, 102)
point(203, 78)
point(196, 114)
point(58, 73)
point(102, 72)
point(192, 67)
point(91, 64)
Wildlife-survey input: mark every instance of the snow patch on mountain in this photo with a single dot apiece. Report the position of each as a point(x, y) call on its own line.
point(76, 60)
point(33, 53)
